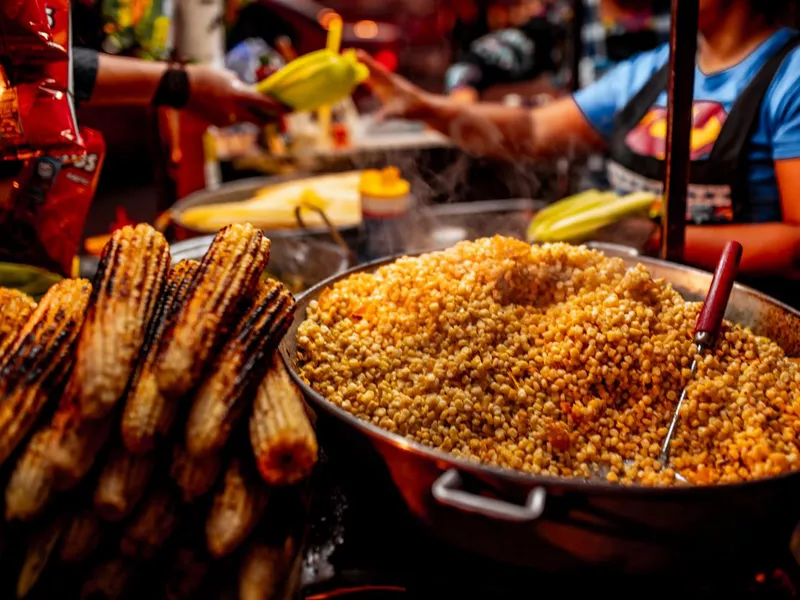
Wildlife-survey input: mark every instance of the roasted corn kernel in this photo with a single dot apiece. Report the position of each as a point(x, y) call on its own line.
point(238, 507)
point(15, 308)
point(229, 272)
point(226, 392)
point(121, 483)
point(129, 280)
point(282, 438)
point(148, 415)
point(554, 360)
point(38, 360)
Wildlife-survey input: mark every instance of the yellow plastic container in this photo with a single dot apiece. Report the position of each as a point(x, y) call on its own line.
point(385, 203)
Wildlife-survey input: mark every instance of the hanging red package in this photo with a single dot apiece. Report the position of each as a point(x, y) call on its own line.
point(27, 27)
point(42, 222)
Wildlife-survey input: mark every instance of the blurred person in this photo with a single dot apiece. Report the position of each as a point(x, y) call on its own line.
point(745, 177)
point(612, 32)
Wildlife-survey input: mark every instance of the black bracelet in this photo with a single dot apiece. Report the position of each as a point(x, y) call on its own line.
point(173, 89)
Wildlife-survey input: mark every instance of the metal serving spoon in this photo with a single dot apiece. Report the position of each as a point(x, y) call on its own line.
point(707, 329)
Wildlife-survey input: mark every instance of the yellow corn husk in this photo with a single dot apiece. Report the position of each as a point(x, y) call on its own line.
point(38, 360)
point(264, 568)
point(40, 547)
point(283, 441)
point(578, 225)
point(229, 271)
point(227, 390)
point(568, 206)
point(30, 486)
point(318, 79)
point(81, 536)
point(238, 507)
point(129, 281)
point(148, 416)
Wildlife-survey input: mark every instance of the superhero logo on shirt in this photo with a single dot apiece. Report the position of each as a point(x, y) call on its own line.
point(649, 137)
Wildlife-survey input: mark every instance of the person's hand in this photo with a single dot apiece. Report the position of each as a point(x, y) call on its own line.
point(465, 95)
point(400, 98)
point(221, 98)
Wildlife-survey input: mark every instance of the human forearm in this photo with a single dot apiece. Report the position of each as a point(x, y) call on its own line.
point(769, 248)
point(126, 81)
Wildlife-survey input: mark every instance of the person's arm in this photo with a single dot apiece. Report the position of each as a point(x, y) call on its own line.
point(215, 95)
point(488, 130)
point(769, 248)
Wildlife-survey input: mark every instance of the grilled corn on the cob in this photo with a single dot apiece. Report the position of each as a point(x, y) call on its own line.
point(195, 476)
point(263, 569)
point(40, 547)
point(109, 580)
point(15, 308)
point(151, 525)
point(81, 537)
point(229, 271)
point(238, 507)
point(225, 393)
point(130, 278)
point(148, 415)
point(121, 483)
point(37, 361)
point(283, 441)
point(76, 440)
point(31, 483)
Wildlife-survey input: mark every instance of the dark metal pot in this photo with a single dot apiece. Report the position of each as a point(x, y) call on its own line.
point(564, 524)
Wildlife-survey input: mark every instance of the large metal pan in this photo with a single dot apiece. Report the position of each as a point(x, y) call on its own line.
point(563, 524)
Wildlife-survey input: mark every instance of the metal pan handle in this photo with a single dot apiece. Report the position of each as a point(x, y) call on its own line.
point(446, 490)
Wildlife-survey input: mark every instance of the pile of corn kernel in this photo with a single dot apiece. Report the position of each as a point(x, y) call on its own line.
point(550, 359)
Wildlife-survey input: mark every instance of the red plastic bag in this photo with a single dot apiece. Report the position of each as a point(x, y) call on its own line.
point(36, 117)
point(42, 222)
point(28, 29)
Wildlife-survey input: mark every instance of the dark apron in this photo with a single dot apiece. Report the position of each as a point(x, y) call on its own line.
point(719, 187)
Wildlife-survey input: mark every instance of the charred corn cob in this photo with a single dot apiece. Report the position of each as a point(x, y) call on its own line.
point(237, 508)
point(225, 393)
point(31, 483)
point(121, 483)
point(148, 415)
point(38, 359)
point(108, 580)
point(195, 476)
point(283, 441)
point(131, 275)
point(187, 574)
point(15, 308)
point(229, 271)
point(76, 440)
point(263, 569)
point(151, 526)
point(40, 547)
point(81, 537)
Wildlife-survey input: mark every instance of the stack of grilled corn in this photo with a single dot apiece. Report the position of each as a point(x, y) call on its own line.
point(124, 422)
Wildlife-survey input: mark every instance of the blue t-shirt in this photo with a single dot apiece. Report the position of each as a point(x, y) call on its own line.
point(777, 136)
